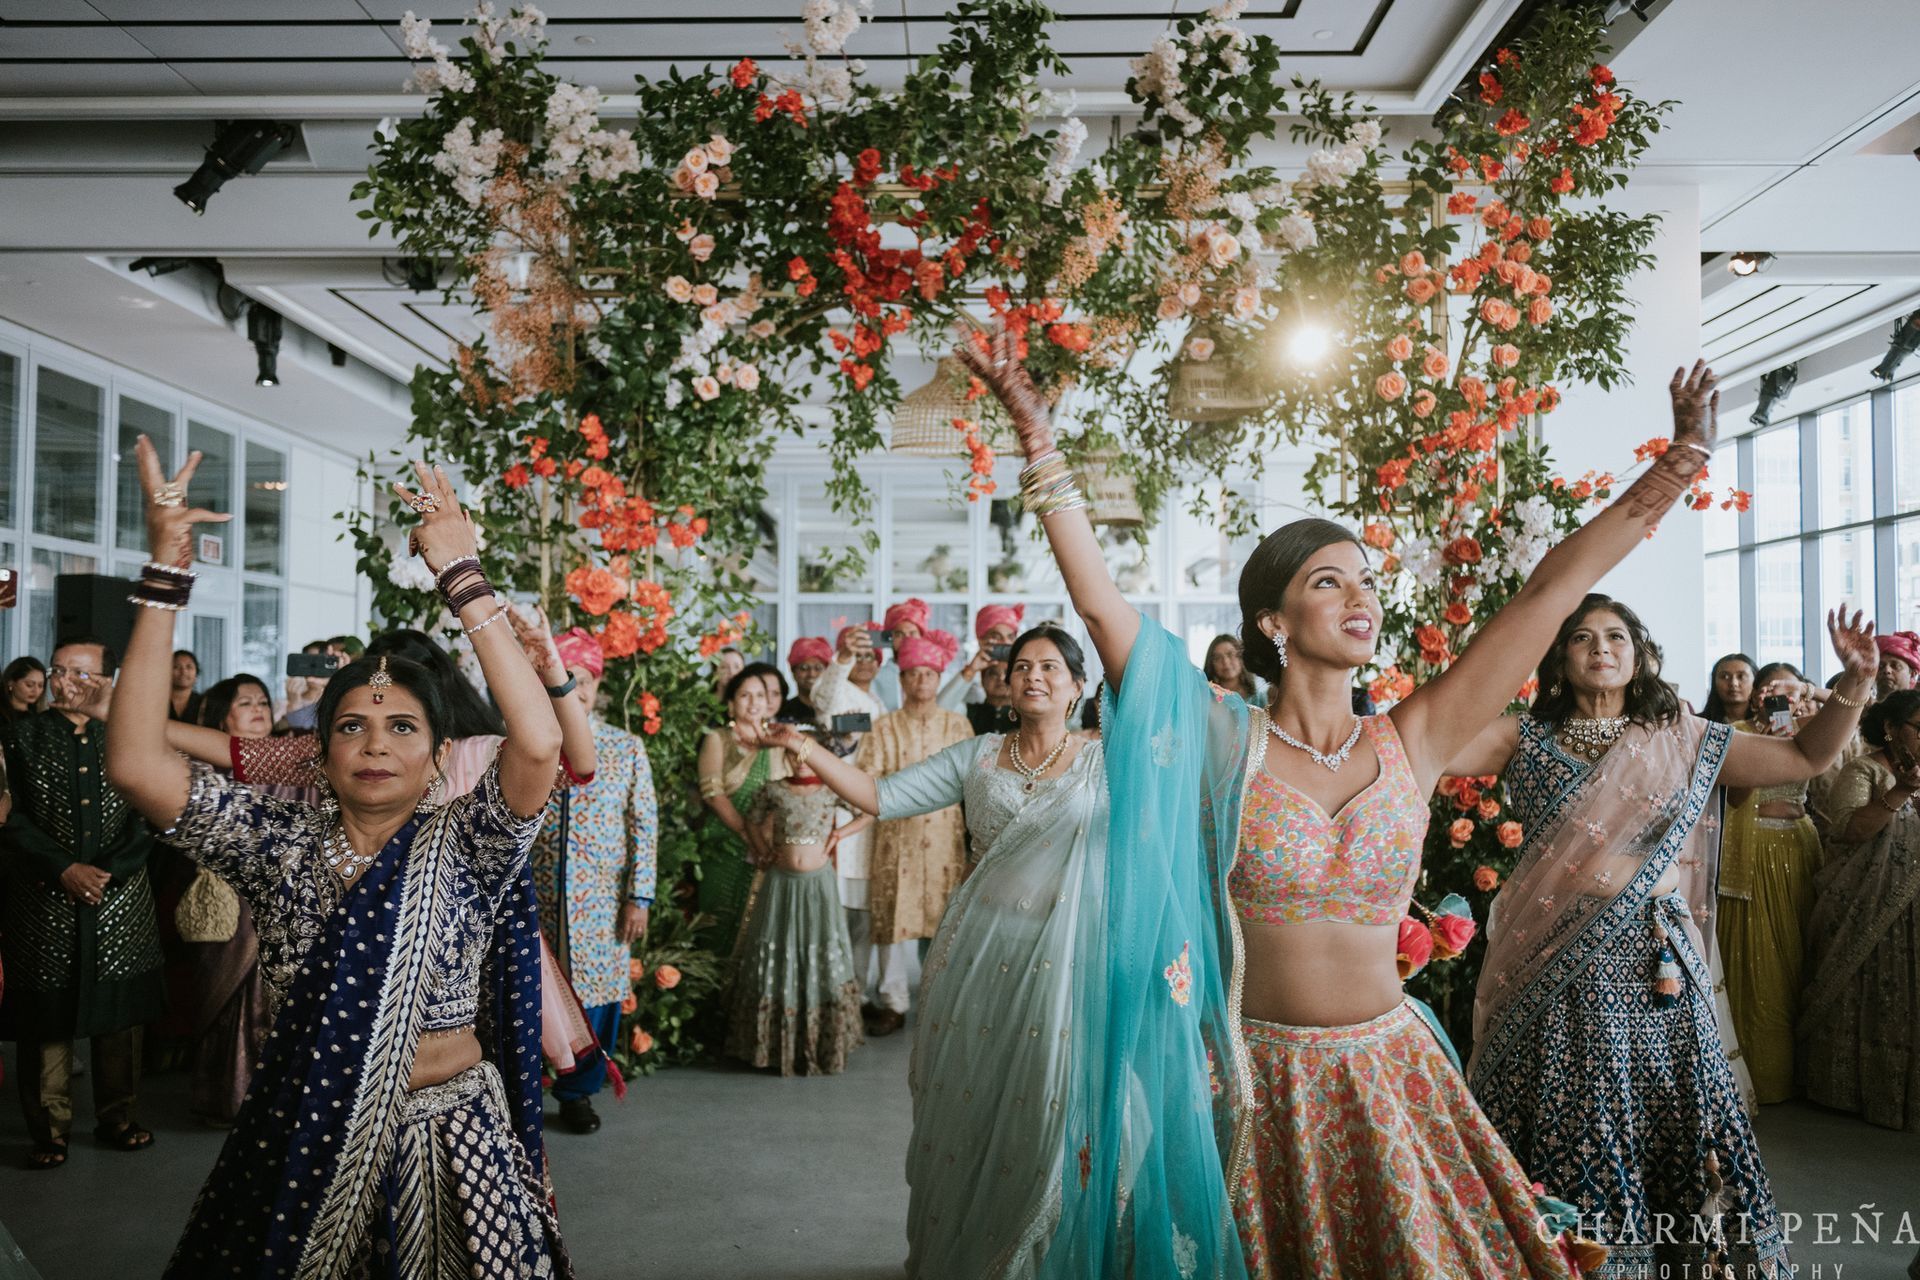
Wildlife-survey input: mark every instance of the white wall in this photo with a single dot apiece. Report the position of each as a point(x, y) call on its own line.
point(1663, 581)
point(327, 596)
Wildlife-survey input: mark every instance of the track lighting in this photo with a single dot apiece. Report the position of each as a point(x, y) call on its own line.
point(1748, 262)
point(422, 275)
point(1903, 342)
point(239, 146)
point(263, 331)
point(159, 266)
point(1773, 389)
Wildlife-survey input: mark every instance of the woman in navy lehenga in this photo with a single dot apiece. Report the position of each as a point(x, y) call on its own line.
point(393, 1126)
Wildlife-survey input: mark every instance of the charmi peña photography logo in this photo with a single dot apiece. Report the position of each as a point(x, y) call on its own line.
point(1732, 1245)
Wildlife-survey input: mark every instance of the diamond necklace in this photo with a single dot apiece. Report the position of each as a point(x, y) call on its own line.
point(341, 856)
point(1332, 760)
point(1591, 738)
point(1020, 766)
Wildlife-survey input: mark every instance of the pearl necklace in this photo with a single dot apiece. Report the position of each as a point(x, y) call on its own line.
point(342, 857)
point(1332, 760)
point(1020, 766)
point(1592, 738)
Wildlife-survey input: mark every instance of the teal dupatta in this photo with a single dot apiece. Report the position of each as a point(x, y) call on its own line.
point(1156, 1104)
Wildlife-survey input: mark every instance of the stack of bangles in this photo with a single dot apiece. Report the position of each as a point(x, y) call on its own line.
point(462, 582)
point(163, 586)
point(1048, 485)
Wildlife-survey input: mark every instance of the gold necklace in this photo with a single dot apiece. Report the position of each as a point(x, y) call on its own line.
point(1591, 738)
point(342, 858)
point(1020, 766)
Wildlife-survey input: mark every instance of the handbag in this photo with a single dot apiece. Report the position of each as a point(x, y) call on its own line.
point(209, 910)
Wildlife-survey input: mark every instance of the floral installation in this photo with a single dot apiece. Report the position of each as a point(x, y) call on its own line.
point(658, 299)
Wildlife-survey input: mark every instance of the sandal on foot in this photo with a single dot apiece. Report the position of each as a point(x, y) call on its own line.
point(51, 1156)
point(126, 1137)
point(578, 1115)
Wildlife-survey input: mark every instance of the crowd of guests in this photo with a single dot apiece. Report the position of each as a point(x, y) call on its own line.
point(1819, 895)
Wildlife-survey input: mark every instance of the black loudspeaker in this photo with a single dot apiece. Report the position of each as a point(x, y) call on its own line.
point(92, 604)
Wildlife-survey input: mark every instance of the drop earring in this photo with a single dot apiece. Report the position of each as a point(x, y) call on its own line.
point(1280, 647)
point(436, 795)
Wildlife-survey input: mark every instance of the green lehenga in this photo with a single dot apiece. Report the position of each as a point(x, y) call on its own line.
point(727, 875)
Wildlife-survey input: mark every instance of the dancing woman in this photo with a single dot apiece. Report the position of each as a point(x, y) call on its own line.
point(988, 1163)
point(1596, 1052)
point(400, 1084)
point(1260, 873)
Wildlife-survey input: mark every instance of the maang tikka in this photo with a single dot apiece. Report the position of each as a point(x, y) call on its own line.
point(379, 682)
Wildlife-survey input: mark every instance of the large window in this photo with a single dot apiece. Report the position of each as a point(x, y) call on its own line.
point(1829, 489)
point(66, 457)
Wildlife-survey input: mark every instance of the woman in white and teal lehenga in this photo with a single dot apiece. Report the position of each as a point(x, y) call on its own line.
point(993, 1035)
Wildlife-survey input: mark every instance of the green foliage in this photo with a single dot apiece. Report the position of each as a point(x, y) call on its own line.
point(674, 949)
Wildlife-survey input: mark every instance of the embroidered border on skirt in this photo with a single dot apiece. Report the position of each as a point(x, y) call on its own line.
point(1370, 1158)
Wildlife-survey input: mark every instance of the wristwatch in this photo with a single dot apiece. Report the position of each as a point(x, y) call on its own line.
point(562, 690)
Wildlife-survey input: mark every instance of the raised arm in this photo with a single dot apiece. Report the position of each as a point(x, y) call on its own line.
point(1449, 711)
point(1111, 622)
point(140, 764)
point(444, 540)
point(576, 727)
point(1757, 760)
point(844, 778)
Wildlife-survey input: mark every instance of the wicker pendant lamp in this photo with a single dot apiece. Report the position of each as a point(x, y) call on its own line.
point(1110, 496)
point(923, 424)
point(1213, 390)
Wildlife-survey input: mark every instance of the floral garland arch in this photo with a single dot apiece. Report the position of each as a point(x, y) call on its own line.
point(659, 300)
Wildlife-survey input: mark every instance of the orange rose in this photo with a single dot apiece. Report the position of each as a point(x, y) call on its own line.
point(1463, 550)
point(642, 1042)
point(1421, 290)
point(1475, 391)
point(1423, 403)
point(628, 1005)
point(1486, 879)
point(1510, 834)
point(1519, 252)
point(1434, 363)
point(1539, 311)
point(1540, 228)
point(636, 970)
point(1413, 262)
point(1390, 386)
point(1489, 809)
point(666, 977)
point(1458, 614)
point(1460, 832)
point(1378, 535)
point(1400, 347)
point(1490, 310)
point(1505, 356)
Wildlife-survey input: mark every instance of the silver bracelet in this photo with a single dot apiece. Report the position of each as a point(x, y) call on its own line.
point(478, 627)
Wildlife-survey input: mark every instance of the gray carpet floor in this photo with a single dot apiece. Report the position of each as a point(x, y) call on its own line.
point(728, 1174)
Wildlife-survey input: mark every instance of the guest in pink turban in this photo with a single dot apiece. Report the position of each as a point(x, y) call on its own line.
point(980, 690)
point(908, 618)
point(578, 648)
point(998, 624)
point(807, 658)
point(930, 651)
point(1899, 661)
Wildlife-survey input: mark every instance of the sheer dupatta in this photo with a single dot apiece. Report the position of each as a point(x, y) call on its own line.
point(1587, 872)
point(1157, 1081)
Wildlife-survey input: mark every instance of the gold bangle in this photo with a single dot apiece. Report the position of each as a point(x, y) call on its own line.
point(804, 750)
point(709, 788)
point(1845, 701)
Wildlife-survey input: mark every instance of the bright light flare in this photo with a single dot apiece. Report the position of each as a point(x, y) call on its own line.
point(1307, 345)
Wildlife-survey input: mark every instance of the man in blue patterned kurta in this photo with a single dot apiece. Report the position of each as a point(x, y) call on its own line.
point(599, 841)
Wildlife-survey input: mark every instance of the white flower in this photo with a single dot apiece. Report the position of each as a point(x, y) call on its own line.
point(1367, 134)
point(696, 160)
point(528, 22)
point(829, 25)
point(1066, 148)
point(611, 155)
point(1298, 231)
point(414, 33)
point(470, 162)
point(1246, 301)
point(1200, 350)
point(1240, 205)
point(409, 571)
point(1157, 72)
point(1227, 10)
point(675, 393)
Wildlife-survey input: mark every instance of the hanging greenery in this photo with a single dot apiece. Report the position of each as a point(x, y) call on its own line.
point(659, 296)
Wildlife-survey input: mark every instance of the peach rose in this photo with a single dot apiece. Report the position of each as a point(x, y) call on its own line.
point(1511, 835)
point(1486, 879)
point(1200, 349)
point(1460, 832)
point(1170, 309)
point(1424, 403)
point(696, 160)
point(629, 1004)
point(1489, 809)
point(679, 289)
point(719, 150)
point(1378, 535)
point(747, 378)
point(1222, 248)
point(636, 970)
point(1540, 228)
point(705, 294)
point(701, 247)
point(1413, 262)
point(1400, 347)
point(1542, 285)
point(763, 329)
point(1420, 291)
point(1390, 386)
point(706, 386)
point(641, 1042)
point(1189, 294)
point(719, 315)
point(666, 977)
point(1505, 356)
point(706, 185)
point(1540, 310)
point(1490, 310)
point(1434, 363)
point(1519, 252)
point(1246, 302)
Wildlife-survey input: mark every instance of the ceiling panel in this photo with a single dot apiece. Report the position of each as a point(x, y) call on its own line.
point(91, 80)
point(47, 10)
point(69, 42)
point(1773, 317)
point(313, 40)
point(229, 10)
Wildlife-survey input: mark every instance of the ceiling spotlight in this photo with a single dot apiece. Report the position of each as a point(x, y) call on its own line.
point(422, 275)
point(1747, 262)
point(239, 146)
point(1903, 342)
point(263, 331)
point(159, 266)
point(1773, 389)
point(1307, 345)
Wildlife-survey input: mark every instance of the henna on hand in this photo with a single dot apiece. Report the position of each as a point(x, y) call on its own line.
point(1696, 422)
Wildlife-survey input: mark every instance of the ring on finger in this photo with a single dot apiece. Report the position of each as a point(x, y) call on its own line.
point(424, 503)
point(169, 495)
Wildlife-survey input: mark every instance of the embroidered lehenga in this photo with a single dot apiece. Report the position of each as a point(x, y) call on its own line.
point(1614, 1091)
point(1861, 1011)
point(334, 1167)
